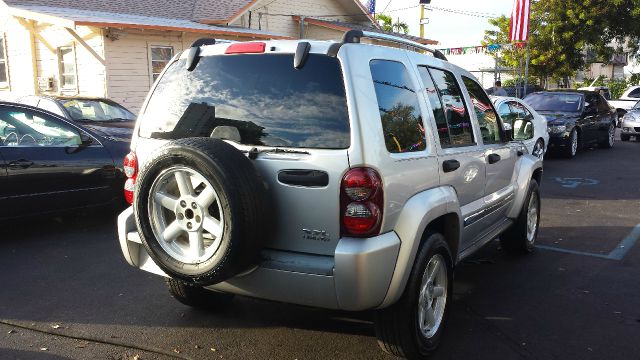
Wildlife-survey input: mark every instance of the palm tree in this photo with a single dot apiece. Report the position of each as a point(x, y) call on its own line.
point(387, 24)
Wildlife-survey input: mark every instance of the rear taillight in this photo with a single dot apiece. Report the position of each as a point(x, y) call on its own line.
point(361, 202)
point(131, 171)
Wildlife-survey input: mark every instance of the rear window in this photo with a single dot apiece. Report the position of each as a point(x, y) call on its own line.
point(264, 97)
point(562, 102)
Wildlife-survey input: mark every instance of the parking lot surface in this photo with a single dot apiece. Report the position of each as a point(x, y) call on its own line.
point(67, 293)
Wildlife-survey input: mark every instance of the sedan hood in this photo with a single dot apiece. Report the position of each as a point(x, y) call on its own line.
point(115, 130)
point(558, 117)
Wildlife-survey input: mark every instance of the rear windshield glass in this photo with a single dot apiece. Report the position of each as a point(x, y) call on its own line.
point(562, 102)
point(264, 97)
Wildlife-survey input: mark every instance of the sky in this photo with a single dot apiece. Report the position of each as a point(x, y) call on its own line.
point(450, 29)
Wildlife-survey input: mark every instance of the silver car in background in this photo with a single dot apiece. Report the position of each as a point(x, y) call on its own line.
point(630, 124)
point(534, 134)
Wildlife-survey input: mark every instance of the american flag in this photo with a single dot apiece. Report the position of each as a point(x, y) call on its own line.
point(519, 29)
point(371, 6)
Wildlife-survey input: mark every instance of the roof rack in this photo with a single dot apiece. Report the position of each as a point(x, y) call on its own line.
point(354, 36)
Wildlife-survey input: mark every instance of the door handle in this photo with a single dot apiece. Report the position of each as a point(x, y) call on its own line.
point(493, 158)
point(450, 165)
point(308, 178)
point(20, 164)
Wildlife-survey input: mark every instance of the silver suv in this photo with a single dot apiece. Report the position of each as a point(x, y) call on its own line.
point(340, 175)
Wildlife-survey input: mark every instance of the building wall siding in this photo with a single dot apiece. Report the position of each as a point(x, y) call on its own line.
point(20, 68)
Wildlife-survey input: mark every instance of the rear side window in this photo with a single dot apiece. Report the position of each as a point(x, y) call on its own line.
point(486, 115)
point(263, 97)
point(459, 127)
point(399, 107)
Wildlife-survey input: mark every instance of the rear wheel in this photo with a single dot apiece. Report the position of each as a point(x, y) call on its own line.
point(413, 326)
point(611, 135)
point(521, 237)
point(196, 296)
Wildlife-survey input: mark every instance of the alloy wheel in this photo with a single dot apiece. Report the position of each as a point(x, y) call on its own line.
point(186, 215)
point(433, 296)
point(532, 218)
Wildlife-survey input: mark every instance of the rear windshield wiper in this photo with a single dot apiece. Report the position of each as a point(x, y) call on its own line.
point(253, 153)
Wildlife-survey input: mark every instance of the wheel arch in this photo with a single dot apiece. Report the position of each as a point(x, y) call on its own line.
point(435, 209)
point(528, 167)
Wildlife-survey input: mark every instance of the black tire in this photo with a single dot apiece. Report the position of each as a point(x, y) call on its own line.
point(608, 142)
point(397, 327)
point(624, 137)
point(515, 239)
point(196, 296)
point(569, 151)
point(242, 197)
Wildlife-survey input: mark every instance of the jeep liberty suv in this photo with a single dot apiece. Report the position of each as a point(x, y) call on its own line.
point(339, 175)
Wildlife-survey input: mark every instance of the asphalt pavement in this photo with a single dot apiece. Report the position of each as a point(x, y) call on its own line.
point(67, 293)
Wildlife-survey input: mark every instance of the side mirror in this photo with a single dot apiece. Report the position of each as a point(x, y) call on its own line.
point(85, 140)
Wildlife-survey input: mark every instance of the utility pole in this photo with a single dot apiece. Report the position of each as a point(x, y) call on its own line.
point(422, 18)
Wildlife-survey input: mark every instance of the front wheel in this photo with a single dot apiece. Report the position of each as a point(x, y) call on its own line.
point(571, 149)
point(413, 326)
point(521, 237)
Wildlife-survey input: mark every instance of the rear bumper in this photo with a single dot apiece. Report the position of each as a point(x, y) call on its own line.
point(357, 277)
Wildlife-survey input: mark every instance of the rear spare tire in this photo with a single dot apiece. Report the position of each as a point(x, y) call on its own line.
point(199, 208)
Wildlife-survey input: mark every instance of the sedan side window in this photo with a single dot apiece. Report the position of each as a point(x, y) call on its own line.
point(24, 128)
point(50, 106)
point(522, 123)
point(506, 114)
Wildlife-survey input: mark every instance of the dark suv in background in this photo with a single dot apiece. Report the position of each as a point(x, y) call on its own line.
point(576, 119)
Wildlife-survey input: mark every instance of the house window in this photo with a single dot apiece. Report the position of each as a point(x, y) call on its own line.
point(4, 77)
point(67, 64)
point(160, 56)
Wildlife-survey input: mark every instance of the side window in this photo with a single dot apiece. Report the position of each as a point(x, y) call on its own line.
point(458, 120)
point(67, 66)
point(591, 103)
point(160, 57)
point(487, 117)
point(506, 114)
point(521, 130)
point(24, 128)
point(634, 93)
point(604, 105)
point(436, 105)
point(4, 78)
point(399, 107)
point(50, 106)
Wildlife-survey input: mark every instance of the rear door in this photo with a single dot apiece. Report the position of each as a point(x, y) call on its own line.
point(47, 166)
point(461, 159)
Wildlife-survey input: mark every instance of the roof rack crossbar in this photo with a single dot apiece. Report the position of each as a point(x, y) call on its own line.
point(354, 36)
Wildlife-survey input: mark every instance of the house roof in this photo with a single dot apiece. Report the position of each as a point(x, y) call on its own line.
point(344, 26)
point(71, 17)
point(194, 10)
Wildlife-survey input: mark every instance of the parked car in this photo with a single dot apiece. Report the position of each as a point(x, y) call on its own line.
point(575, 118)
point(518, 91)
point(532, 132)
point(51, 164)
point(625, 103)
point(603, 90)
point(630, 124)
point(82, 109)
point(315, 180)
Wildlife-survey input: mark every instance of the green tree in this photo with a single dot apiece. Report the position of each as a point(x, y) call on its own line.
point(561, 31)
point(387, 24)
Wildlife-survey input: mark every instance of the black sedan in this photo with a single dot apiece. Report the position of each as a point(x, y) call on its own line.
point(575, 119)
point(48, 163)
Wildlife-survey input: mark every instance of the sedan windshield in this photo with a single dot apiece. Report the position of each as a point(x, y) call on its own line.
point(561, 102)
point(96, 110)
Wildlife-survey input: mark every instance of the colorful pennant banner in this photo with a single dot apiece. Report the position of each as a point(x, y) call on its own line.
point(483, 49)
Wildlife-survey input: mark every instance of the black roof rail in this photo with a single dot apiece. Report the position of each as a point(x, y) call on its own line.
point(204, 41)
point(354, 37)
